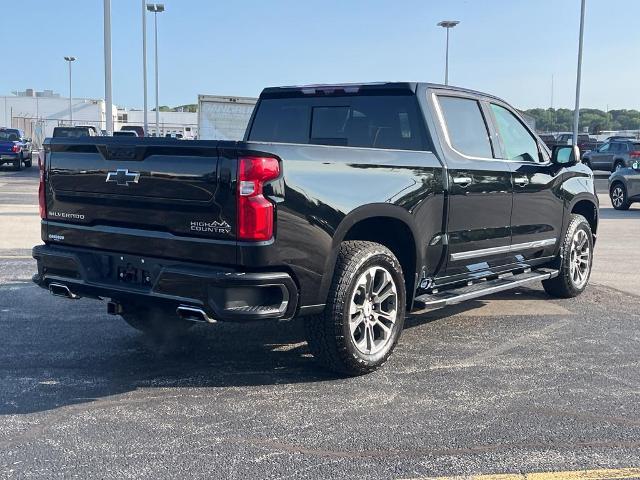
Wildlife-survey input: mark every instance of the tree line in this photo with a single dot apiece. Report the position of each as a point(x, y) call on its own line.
point(561, 119)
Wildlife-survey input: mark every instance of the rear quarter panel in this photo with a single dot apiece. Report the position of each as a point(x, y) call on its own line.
point(325, 190)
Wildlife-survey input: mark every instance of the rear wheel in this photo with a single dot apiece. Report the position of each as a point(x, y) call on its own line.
point(28, 163)
point(618, 195)
point(158, 323)
point(576, 258)
point(364, 314)
point(17, 165)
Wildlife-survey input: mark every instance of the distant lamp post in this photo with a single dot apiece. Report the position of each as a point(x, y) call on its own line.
point(448, 25)
point(156, 8)
point(69, 60)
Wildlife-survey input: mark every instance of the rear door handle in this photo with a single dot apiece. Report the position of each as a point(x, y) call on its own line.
point(463, 181)
point(521, 181)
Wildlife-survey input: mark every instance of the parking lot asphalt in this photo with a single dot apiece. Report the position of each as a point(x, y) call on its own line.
point(517, 382)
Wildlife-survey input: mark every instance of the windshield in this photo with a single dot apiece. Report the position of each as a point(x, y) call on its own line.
point(9, 135)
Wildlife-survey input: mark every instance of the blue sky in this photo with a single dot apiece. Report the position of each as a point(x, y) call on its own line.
point(506, 47)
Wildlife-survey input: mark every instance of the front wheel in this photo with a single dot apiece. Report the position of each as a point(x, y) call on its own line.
point(364, 313)
point(576, 259)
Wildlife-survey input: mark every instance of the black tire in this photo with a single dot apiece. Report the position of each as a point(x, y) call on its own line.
point(619, 197)
point(566, 285)
point(28, 163)
point(329, 334)
point(617, 166)
point(17, 165)
point(160, 324)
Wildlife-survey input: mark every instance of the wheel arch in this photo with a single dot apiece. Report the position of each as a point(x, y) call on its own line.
point(588, 208)
point(389, 225)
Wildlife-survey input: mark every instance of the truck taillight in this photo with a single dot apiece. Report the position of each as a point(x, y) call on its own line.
point(42, 198)
point(255, 212)
point(15, 148)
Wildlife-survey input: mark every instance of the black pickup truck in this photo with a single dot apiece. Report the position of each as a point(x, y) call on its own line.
point(349, 205)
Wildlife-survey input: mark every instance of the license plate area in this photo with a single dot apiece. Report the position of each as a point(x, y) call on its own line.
point(133, 274)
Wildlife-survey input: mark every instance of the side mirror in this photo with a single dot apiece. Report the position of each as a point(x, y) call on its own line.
point(566, 155)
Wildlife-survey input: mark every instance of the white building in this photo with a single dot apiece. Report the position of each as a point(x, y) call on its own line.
point(38, 115)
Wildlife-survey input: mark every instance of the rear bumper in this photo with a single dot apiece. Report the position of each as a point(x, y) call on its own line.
point(8, 157)
point(224, 294)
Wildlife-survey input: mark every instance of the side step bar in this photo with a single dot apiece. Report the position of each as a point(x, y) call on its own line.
point(481, 289)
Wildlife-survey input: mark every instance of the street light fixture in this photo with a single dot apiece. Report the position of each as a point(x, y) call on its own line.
point(69, 60)
point(448, 24)
point(156, 8)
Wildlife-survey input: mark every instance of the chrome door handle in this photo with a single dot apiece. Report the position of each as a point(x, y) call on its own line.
point(463, 181)
point(521, 181)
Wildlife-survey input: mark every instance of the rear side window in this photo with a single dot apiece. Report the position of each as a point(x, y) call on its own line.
point(370, 121)
point(466, 127)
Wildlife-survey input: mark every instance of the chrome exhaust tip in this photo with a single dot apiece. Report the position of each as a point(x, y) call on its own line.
point(60, 290)
point(194, 314)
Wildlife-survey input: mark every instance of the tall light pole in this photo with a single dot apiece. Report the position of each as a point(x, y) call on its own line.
point(69, 60)
point(448, 25)
point(108, 100)
point(144, 65)
point(156, 8)
point(576, 112)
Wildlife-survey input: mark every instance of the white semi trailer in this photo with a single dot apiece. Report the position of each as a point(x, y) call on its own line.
point(223, 118)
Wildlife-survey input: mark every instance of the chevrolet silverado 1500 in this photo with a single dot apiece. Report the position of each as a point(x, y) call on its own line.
point(348, 205)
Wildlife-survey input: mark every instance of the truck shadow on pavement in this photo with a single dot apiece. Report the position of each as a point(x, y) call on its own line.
point(58, 353)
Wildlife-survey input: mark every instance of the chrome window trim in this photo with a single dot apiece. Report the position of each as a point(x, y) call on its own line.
point(504, 249)
point(443, 126)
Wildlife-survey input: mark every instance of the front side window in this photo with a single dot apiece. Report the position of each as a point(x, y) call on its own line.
point(604, 148)
point(466, 127)
point(518, 143)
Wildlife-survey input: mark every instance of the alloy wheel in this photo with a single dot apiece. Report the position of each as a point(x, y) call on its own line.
point(580, 259)
point(617, 196)
point(373, 311)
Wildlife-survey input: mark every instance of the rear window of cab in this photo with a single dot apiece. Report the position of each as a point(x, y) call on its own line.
point(370, 121)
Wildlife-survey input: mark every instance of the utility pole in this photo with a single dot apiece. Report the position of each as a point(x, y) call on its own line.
point(576, 112)
point(144, 65)
point(108, 99)
point(156, 8)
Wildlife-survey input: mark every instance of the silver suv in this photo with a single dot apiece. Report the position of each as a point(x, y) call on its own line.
point(613, 155)
point(624, 186)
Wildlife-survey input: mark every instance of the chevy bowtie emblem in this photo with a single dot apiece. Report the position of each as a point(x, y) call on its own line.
point(123, 177)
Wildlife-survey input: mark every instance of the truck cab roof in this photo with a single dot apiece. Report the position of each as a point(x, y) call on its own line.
point(371, 88)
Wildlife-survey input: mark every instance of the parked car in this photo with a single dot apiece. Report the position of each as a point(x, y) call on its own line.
point(74, 132)
point(549, 139)
point(585, 142)
point(613, 155)
point(92, 128)
point(624, 186)
point(133, 128)
point(348, 205)
point(15, 148)
point(125, 133)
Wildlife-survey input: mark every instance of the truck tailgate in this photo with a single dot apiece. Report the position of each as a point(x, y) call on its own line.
point(152, 197)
